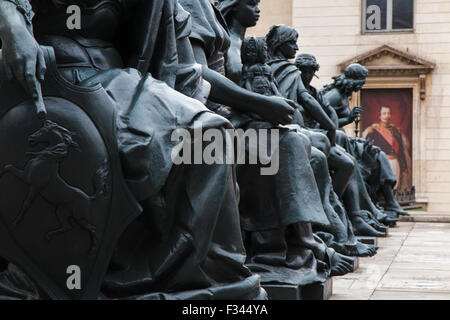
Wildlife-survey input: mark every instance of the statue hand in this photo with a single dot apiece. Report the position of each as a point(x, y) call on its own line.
point(24, 60)
point(356, 111)
point(279, 110)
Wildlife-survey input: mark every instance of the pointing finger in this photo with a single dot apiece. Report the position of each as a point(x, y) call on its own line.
point(41, 67)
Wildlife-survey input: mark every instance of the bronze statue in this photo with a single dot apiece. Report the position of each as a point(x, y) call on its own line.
point(257, 77)
point(256, 74)
point(153, 230)
point(336, 95)
point(382, 179)
point(282, 43)
point(258, 206)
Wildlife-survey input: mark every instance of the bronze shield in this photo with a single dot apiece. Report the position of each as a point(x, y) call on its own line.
point(63, 199)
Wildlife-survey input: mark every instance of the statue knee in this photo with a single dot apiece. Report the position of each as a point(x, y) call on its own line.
point(349, 164)
point(317, 156)
point(299, 140)
point(321, 142)
point(341, 138)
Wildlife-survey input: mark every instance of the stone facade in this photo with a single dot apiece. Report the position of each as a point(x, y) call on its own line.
point(332, 31)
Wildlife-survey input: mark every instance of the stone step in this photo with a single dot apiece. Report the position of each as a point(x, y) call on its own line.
point(423, 216)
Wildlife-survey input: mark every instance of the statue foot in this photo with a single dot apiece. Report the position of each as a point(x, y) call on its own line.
point(321, 265)
point(362, 228)
point(399, 212)
point(378, 226)
point(374, 223)
point(395, 207)
point(363, 250)
point(341, 264)
point(389, 221)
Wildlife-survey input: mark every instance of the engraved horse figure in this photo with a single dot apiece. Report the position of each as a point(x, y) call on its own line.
point(41, 173)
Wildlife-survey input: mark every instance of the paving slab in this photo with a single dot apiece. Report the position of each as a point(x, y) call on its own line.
point(408, 295)
point(422, 259)
point(440, 252)
point(440, 235)
point(342, 283)
point(413, 263)
point(432, 226)
point(390, 242)
point(418, 242)
point(345, 294)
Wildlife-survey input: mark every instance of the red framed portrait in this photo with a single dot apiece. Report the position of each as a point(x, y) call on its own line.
point(387, 120)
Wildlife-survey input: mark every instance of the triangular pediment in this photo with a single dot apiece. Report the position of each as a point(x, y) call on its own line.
point(387, 61)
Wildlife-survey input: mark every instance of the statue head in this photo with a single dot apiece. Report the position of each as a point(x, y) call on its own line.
point(352, 80)
point(246, 12)
point(308, 65)
point(254, 50)
point(282, 41)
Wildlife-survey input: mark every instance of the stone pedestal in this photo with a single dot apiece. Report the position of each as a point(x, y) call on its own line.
point(368, 240)
point(356, 264)
point(318, 291)
point(283, 292)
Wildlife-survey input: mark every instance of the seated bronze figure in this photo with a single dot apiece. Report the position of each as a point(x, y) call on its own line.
point(108, 120)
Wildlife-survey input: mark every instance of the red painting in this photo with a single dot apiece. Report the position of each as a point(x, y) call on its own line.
point(387, 120)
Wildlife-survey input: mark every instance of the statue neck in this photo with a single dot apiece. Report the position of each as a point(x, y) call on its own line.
point(237, 29)
point(278, 56)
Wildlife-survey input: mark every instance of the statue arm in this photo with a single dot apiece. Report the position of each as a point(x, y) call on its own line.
point(247, 85)
point(225, 91)
point(234, 65)
point(15, 13)
point(344, 121)
point(345, 114)
point(332, 114)
point(340, 107)
point(275, 90)
point(10, 19)
point(316, 110)
point(273, 83)
point(23, 58)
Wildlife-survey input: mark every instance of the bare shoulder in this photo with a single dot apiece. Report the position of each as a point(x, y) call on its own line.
point(333, 97)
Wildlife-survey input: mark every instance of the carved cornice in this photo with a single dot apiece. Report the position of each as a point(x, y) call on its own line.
point(408, 65)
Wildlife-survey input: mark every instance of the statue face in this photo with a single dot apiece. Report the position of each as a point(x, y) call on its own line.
point(247, 12)
point(358, 86)
point(289, 49)
point(385, 115)
point(307, 74)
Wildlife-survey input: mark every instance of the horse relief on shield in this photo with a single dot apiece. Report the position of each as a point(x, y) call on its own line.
point(41, 174)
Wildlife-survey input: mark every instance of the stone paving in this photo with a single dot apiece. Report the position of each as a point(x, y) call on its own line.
point(413, 263)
